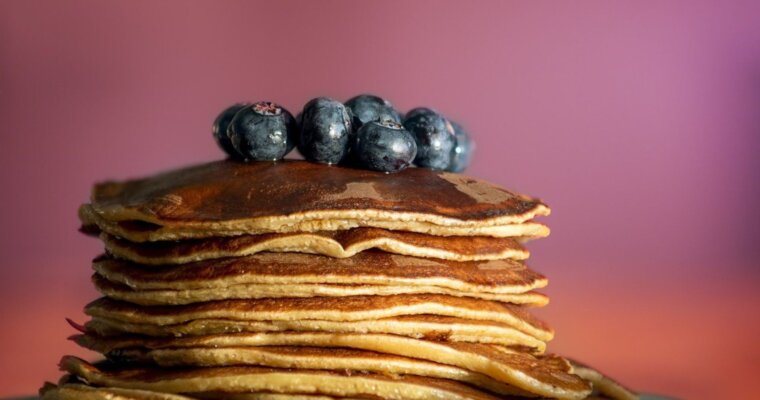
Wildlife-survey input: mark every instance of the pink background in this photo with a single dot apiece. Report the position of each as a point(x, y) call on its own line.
point(638, 123)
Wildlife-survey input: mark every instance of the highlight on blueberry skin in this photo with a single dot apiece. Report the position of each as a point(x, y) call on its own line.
point(461, 154)
point(434, 136)
point(368, 107)
point(384, 146)
point(263, 131)
point(326, 131)
point(221, 123)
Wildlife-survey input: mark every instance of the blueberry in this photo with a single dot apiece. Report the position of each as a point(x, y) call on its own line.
point(221, 123)
point(461, 154)
point(367, 107)
point(434, 136)
point(263, 131)
point(325, 131)
point(384, 146)
point(419, 111)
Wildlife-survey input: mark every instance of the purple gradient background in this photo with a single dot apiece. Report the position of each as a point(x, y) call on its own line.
point(638, 123)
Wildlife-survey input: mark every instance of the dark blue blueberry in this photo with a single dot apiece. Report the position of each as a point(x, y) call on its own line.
point(384, 146)
point(419, 111)
point(461, 154)
point(263, 131)
point(367, 107)
point(221, 123)
point(325, 131)
point(434, 136)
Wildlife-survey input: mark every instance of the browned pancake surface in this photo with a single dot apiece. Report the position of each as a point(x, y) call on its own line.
point(170, 296)
point(215, 378)
point(340, 244)
point(370, 267)
point(226, 191)
point(427, 327)
point(304, 357)
point(353, 308)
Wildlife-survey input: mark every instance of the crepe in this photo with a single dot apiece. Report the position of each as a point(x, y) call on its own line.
point(428, 327)
point(524, 371)
point(331, 383)
point(367, 268)
point(231, 199)
point(354, 308)
point(338, 244)
point(255, 291)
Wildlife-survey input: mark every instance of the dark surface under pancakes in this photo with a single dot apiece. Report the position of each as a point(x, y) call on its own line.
point(470, 247)
point(370, 267)
point(226, 191)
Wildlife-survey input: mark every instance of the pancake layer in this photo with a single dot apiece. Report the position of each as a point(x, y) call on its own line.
point(344, 309)
point(79, 391)
point(255, 379)
point(255, 291)
point(245, 379)
point(367, 268)
point(231, 199)
point(300, 357)
point(430, 327)
point(338, 244)
point(603, 385)
point(514, 368)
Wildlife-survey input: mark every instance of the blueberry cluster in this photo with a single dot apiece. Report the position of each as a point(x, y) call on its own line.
point(365, 131)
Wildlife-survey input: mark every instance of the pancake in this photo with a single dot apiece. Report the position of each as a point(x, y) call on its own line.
point(603, 385)
point(255, 379)
point(331, 383)
point(274, 396)
point(367, 268)
point(78, 391)
point(338, 244)
point(428, 327)
point(524, 371)
point(230, 199)
point(255, 291)
point(138, 231)
point(329, 359)
point(299, 357)
point(354, 308)
point(72, 389)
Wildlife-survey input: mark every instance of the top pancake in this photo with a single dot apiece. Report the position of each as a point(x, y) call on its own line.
point(228, 198)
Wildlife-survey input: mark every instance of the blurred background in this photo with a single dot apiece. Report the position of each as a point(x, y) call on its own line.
point(637, 122)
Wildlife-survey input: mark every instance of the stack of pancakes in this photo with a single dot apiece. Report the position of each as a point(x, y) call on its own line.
point(295, 280)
